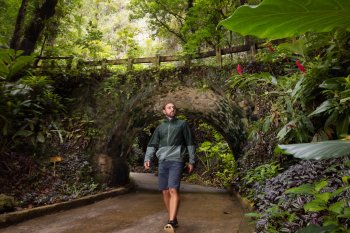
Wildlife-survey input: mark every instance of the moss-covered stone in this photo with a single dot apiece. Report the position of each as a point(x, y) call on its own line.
point(121, 105)
point(7, 203)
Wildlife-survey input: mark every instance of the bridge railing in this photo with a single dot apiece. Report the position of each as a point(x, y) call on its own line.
point(48, 62)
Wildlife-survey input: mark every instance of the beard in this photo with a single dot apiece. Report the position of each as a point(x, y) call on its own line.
point(170, 114)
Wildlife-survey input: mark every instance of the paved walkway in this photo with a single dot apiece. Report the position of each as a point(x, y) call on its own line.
point(202, 210)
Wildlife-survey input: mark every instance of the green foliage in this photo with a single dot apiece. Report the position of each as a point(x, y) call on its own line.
point(127, 43)
point(217, 158)
point(78, 129)
point(277, 216)
point(298, 127)
point(93, 34)
point(200, 27)
point(318, 150)
point(8, 14)
point(279, 19)
point(92, 43)
point(28, 106)
point(317, 229)
point(257, 80)
point(192, 24)
point(334, 209)
point(262, 173)
point(11, 63)
point(336, 107)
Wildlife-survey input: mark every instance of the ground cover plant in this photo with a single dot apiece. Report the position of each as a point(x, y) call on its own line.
point(318, 105)
point(287, 202)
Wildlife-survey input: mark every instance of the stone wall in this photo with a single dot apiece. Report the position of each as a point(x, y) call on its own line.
point(133, 101)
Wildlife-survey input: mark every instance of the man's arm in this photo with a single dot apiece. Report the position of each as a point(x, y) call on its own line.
point(151, 149)
point(190, 145)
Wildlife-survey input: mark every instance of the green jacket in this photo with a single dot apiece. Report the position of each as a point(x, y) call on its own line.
point(171, 140)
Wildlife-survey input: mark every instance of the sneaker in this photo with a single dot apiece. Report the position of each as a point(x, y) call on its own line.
point(169, 228)
point(174, 222)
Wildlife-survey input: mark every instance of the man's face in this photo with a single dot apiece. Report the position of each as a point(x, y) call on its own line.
point(169, 110)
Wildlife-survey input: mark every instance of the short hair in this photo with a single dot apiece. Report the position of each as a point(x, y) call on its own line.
point(168, 102)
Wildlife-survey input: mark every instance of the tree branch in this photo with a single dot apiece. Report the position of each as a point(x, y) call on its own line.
point(170, 30)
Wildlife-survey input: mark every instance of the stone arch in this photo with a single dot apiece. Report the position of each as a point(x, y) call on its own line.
point(216, 109)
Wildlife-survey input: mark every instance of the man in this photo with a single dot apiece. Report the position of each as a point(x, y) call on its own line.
point(171, 141)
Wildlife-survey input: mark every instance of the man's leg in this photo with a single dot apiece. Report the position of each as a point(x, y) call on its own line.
point(175, 174)
point(174, 203)
point(163, 177)
point(169, 176)
point(171, 199)
point(166, 198)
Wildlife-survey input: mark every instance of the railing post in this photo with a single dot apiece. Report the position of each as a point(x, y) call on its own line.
point(79, 64)
point(218, 56)
point(69, 63)
point(104, 65)
point(187, 61)
point(157, 60)
point(252, 51)
point(130, 63)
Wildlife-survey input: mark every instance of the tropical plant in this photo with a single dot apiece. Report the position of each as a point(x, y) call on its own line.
point(279, 211)
point(262, 173)
point(192, 25)
point(247, 80)
point(318, 150)
point(337, 105)
point(28, 106)
point(335, 210)
point(275, 19)
point(216, 158)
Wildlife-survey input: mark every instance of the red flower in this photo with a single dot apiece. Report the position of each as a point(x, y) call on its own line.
point(300, 66)
point(271, 49)
point(239, 69)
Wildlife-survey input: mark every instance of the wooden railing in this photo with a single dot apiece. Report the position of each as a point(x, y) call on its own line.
point(157, 60)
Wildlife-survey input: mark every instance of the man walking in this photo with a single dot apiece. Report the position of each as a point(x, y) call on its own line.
point(171, 141)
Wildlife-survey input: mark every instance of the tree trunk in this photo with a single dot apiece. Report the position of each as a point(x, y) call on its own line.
point(33, 31)
point(189, 4)
point(19, 23)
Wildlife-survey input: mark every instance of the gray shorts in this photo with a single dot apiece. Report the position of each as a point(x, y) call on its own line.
point(169, 174)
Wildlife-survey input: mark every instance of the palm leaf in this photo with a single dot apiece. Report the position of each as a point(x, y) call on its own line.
point(276, 19)
point(318, 150)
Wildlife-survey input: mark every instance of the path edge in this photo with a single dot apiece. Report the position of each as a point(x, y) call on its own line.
point(245, 225)
point(11, 218)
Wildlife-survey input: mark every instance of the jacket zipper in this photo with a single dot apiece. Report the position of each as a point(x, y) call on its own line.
point(168, 133)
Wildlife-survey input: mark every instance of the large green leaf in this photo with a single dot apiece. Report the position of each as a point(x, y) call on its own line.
point(302, 189)
point(325, 106)
point(318, 150)
point(315, 205)
point(320, 185)
point(337, 207)
point(19, 64)
point(317, 229)
point(342, 125)
point(276, 19)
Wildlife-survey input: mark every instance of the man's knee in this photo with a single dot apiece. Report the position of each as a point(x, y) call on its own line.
point(166, 192)
point(173, 191)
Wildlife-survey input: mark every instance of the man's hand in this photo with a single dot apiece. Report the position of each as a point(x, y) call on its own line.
point(190, 168)
point(147, 165)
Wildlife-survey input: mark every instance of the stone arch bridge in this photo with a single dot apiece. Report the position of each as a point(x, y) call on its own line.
point(124, 104)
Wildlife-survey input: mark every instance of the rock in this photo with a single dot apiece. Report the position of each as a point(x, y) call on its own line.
point(7, 203)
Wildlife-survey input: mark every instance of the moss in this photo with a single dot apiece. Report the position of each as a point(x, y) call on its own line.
point(7, 203)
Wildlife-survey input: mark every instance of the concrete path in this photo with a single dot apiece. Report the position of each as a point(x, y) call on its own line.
point(202, 210)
